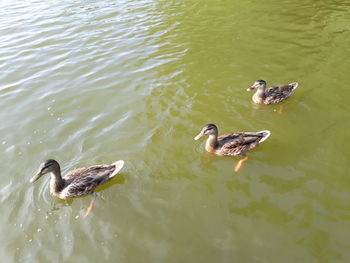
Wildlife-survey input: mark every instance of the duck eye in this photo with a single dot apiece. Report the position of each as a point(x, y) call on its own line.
point(46, 167)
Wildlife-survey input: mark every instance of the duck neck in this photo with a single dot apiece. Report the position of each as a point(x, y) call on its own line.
point(56, 182)
point(260, 92)
point(259, 95)
point(212, 143)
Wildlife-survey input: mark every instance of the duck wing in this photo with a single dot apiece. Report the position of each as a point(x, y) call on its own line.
point(84, 180)
point(84, 184)
point(238, 143)
point(277, 94)
point(96, 170)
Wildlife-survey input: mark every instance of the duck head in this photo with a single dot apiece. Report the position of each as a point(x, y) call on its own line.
point(209, 129)
point(49, 166)
point(259, 84)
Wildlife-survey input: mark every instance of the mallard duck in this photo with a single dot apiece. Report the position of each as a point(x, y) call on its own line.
point(232, 144)
point(78, 182)
point(271, 95)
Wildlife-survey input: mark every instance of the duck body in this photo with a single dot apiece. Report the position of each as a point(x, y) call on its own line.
point(273, 95)
point(232, 144)
point(78, 182)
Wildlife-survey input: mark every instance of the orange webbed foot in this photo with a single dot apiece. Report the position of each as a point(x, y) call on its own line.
point(281, 109)
point(240, 163)
point(88, 210)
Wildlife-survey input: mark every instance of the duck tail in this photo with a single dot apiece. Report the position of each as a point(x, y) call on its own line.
point(266, 134)
point(118, 166)
point(294, 85)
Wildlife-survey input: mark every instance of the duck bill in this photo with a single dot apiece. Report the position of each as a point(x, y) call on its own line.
point(199, 136)
point(36, 177)
point(253, 87)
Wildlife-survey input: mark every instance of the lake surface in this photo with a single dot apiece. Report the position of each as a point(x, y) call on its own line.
point(92, 82)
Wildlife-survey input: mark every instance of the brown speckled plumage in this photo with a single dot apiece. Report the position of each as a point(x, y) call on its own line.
point(271, 95)
point(232, 144)
point(238, 143)
point(78, 182)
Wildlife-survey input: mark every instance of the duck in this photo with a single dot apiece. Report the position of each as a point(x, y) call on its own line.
point(271, 95)
point(78, 182)
point(232, 144)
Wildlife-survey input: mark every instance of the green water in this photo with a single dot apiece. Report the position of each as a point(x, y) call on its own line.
point(92, 82)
